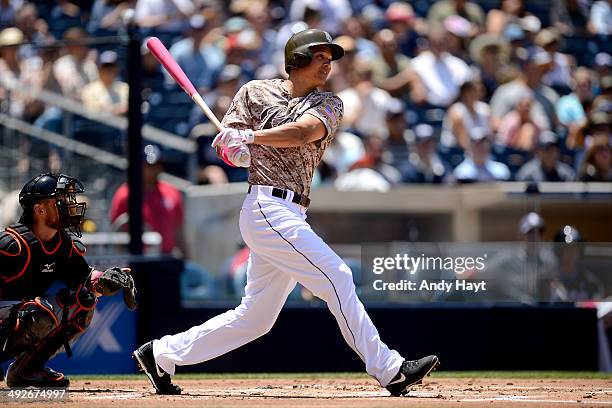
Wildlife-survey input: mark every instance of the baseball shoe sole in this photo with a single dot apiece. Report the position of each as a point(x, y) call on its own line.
point(146, 362)
point(412, 372)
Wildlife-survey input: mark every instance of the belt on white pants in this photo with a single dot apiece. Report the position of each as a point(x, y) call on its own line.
point(284, 194)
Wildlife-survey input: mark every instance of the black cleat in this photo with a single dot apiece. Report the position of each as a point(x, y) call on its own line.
point(411, 372)
point(146, 362)
point(1, 374)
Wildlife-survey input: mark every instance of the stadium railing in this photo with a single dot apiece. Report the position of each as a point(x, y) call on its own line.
point(75, 116)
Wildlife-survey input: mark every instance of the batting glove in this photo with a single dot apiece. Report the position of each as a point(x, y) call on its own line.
point(230, 136)
point(235, 155)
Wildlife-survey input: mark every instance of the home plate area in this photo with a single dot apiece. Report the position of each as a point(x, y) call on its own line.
point(311, 391)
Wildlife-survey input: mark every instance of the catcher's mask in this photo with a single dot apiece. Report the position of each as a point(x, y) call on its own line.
point(64, 190)
point(298, 52)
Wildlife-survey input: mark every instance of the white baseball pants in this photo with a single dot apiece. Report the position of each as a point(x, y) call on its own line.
point(284, 250)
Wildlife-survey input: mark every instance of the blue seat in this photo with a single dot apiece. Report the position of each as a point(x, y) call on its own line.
point(60, 22)
point(568, 156)
point(164, 112)
point(154, 83)
point(452, 156)
point(512, 158)
point(429, 114)
point(175, 162)
point(44, 8)
point(175, 97)
point(168, 38)
point(98, 135)
point(582, 48)
point(604, 43)
point(540, 9)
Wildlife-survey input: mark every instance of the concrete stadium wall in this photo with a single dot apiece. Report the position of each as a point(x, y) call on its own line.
point(462, 213)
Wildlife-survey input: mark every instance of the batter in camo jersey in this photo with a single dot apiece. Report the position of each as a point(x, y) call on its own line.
point(267, 104)
point(287, 125)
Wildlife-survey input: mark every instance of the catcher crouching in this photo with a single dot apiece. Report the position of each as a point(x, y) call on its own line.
point(43, 248)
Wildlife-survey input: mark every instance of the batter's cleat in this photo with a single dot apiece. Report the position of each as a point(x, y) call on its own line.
point(1, 374)
point(19, 376)
point(410, 373)
point(160, 379)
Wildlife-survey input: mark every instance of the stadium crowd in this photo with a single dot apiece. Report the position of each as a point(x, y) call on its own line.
point(434, 92)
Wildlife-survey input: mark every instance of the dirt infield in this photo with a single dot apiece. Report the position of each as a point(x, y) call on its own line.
point(338, 392)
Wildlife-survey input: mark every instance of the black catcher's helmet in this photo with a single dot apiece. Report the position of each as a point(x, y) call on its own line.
point(63, 189)
point(297, 49)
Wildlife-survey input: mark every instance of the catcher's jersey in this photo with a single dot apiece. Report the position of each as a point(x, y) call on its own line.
point(28, 268)
point(265, 104)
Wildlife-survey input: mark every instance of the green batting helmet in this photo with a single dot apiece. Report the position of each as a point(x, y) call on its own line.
point(297, 49)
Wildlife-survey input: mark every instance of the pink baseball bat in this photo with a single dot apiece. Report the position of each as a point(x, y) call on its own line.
point(161, 54)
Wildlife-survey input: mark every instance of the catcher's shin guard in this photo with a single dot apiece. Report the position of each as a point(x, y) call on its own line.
point(29, 368)
point(27, 324)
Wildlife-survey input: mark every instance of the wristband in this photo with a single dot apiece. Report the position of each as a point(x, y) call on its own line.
point(249, 136)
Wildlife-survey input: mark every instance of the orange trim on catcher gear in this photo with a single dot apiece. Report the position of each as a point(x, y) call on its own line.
point(38, 302)
point(18, 243)
point(54, 250)
point(27, 263)
point(79, 302)
point(77, 250)
point(45, 308)
point(81, 329)
point(32, 353)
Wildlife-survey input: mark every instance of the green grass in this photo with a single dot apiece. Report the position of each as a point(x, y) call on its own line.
point(354, 375)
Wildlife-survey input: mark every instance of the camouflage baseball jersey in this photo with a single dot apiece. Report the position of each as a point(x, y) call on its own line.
point(266, 104)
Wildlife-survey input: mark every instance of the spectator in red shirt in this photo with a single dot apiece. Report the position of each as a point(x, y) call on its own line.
point(162, 207)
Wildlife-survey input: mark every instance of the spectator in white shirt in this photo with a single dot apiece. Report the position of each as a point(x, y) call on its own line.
point(107, 95)
point(20, 72)
point(601, 17)
point(166, 15)
point(441, 73)
point(478, 165)
point(78, 67)
point(365, 105)
point(333, 12)
point(470, 112)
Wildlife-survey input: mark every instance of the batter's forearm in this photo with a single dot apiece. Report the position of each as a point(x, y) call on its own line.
point(293, 134)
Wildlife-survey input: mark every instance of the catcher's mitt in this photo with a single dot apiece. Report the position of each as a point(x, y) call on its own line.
point(115, 279)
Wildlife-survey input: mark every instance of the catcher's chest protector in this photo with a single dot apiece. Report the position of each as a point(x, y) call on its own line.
point(38, 266)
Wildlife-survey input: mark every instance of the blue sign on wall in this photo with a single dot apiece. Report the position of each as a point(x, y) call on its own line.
point(106, 346)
